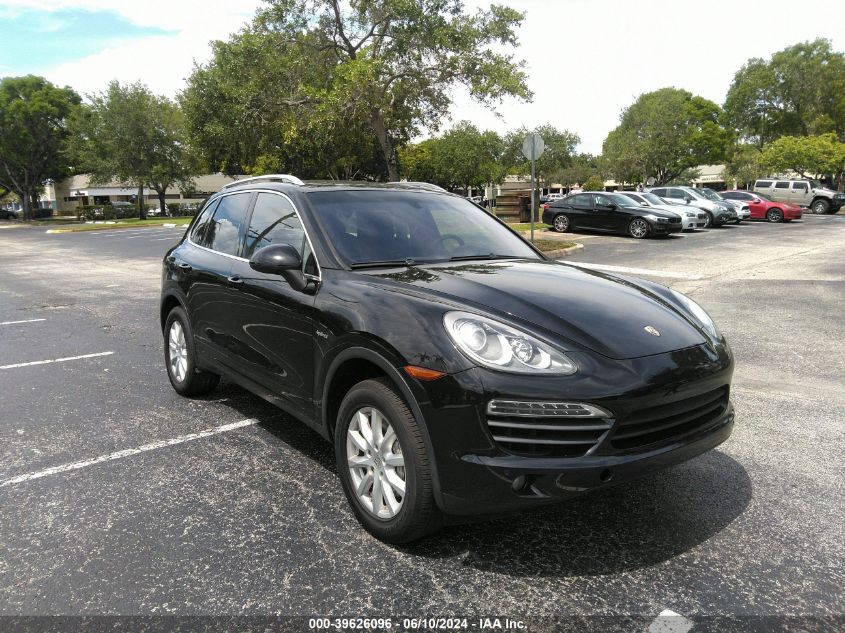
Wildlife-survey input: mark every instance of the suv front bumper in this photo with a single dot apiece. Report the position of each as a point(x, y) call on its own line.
point(479, 475)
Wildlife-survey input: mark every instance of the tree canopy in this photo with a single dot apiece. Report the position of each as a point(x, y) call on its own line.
point(800, 91)
point(463, 157)
point(806, 155)
point(559, 148)
point(128, 134)
point(663, 134)
point(312, 75)
point(33, 135)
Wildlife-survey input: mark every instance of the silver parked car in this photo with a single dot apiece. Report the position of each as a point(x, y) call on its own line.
point(718, 212)
point(691, 218)
point(743, 211)
point(804, 192)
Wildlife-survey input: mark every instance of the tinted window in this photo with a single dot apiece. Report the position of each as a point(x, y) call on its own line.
point(659, 192)
point(198, 234)
point(603, 201)
point(781, 185)
point(674, 193)
point(224, 231)
point(763, 183)
point(386, 225)
point(274, 221)
point(802, 186)
point(582, 200)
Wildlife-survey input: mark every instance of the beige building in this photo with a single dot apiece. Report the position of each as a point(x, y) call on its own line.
point(66, 195)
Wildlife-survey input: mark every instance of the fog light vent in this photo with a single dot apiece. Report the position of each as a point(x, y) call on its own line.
point(546, 409)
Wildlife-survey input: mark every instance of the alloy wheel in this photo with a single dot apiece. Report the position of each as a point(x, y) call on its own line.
point(708, 220)
point(774, 215)
point(177, 351)
point(561, 224)
point(638, 228)
point(376, 464)
point(820, 207)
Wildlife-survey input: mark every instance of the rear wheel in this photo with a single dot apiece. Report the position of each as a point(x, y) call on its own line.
point(774, 215)
point(383, 463)
point(820, 206)
point(638, 228)
point(179, 357)
point(561, 223)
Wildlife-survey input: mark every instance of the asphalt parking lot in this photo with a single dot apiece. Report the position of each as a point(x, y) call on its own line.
point(114, 502)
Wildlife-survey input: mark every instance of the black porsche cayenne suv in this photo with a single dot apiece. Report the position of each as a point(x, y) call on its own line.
point(456, 369)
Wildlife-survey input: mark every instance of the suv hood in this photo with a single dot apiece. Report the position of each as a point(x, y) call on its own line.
point(593, 310)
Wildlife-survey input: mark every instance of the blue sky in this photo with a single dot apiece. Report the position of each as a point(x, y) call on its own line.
point(35, 40)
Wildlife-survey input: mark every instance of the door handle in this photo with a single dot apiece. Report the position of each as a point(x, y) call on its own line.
point(235, 280)
point(185, 267)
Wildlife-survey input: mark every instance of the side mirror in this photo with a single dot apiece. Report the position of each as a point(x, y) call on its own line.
point(280, 259)
point(687, 199)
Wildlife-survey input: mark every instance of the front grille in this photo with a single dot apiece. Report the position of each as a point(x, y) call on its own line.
point(547, 429)
point(675, 220)
point(670, 421)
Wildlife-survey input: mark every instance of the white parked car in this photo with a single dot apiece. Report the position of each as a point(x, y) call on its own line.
point(554, 196)
point(691, 218)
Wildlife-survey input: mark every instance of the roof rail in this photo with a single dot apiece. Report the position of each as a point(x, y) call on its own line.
point(418, 185)
point(293, 180)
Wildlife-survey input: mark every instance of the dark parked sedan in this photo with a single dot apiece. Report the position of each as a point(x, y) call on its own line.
point(609, 212)
point(455, 369)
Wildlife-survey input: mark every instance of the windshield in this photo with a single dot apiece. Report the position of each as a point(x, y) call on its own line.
point(623, 200)
point(652, 198)
point(372, 227)
point(710, 194)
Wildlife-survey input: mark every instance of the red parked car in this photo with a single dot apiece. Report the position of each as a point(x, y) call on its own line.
point(763, 208)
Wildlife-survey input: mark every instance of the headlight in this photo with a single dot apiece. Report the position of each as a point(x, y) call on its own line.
point(690, 214)
point(498, 346)
point(700, 315)
point(655, 218)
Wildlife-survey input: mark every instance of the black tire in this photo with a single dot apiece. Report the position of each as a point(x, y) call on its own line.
point(820, 206)
point(418, 514)
point(774, 215)
point(638, 228)
point(196, 382)
point(708, 219)
point(561, 223)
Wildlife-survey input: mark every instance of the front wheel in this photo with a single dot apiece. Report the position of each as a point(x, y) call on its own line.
point(179, 357)
point(384, 464)
point(708, 219)
point(638, 228)
point(561, 223)
point(820, 206)
point(774, 215)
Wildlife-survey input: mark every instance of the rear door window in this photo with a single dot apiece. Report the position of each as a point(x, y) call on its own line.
point(198, 232)
point(223, 233)
point(782, 185)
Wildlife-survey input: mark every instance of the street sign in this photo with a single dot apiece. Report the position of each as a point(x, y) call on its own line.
point(533, 146)
point(532, 149)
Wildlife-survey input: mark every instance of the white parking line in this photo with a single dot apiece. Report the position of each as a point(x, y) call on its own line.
point(55, 360)
point(24, 321)
point(162, 239)
point(634, 271)
point(126, 452)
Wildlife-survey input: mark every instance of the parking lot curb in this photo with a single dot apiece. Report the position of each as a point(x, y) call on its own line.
point(563, 252)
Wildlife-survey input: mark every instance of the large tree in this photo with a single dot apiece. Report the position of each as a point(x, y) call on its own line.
point(33, 135)
point(307, 72)
point(806, 155)
point(799, 91)
point(559, 149)
point(128, 134)
point(463, 157)
point(663, 134)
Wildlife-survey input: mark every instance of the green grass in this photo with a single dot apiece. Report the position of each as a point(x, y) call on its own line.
point(526, 226)
point(132, 223)
point(552, 245)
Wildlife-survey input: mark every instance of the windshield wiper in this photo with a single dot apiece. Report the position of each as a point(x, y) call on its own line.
point(408, 261)
point(458, 258)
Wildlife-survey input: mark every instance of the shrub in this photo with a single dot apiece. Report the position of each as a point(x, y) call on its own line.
point(594, 183)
